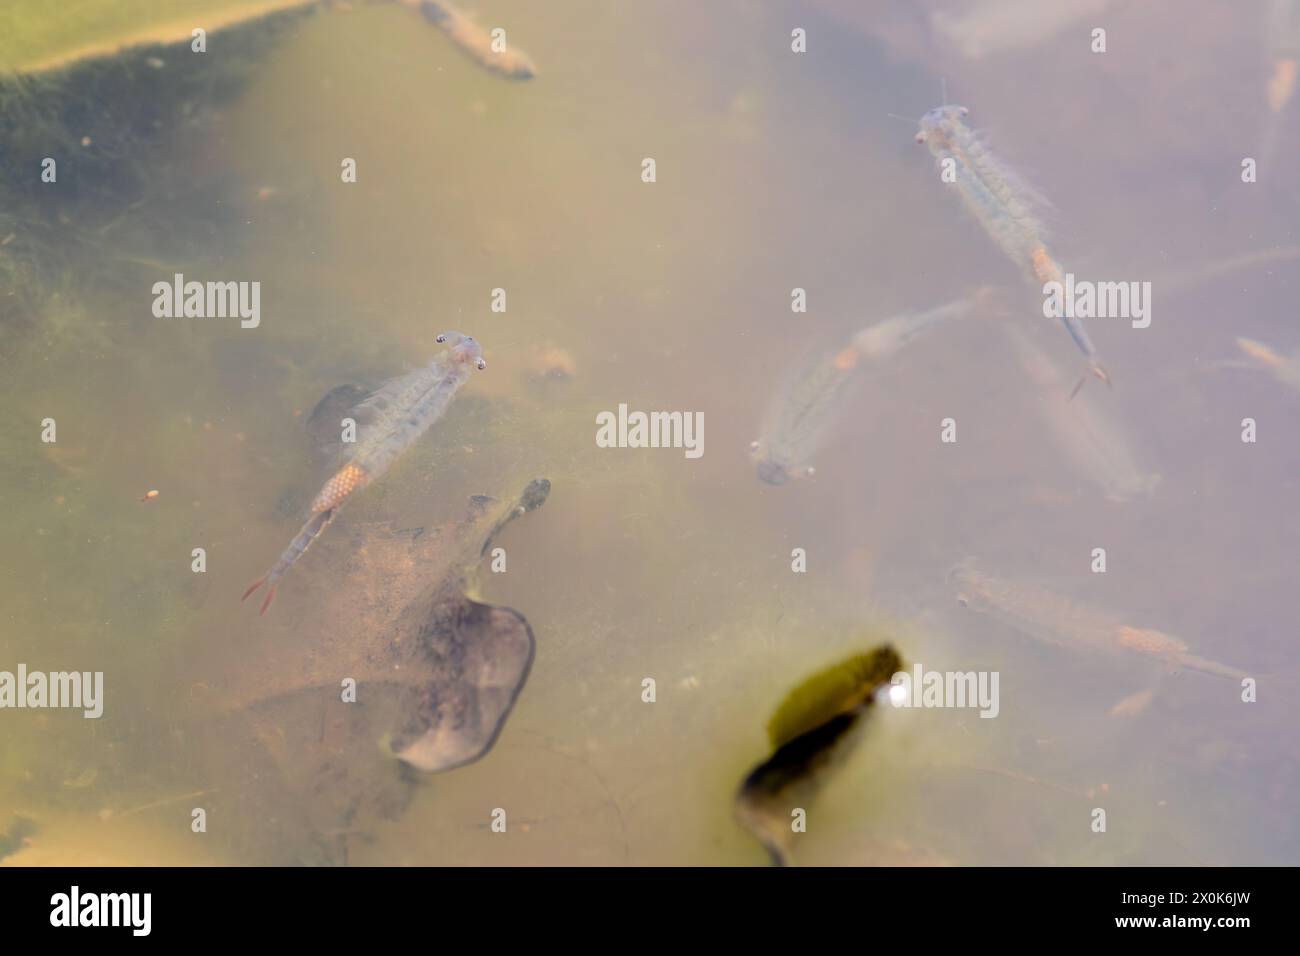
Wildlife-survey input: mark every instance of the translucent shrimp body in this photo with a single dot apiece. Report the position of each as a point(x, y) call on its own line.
point(1286, 369)
point(1002, 204)
point(1053, 619)
point(477, 42)
point(1032, 610)
point(391, 419)
point(388, 423)
point(804, 408)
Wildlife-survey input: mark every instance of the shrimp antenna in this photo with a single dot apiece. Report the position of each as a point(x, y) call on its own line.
point(943, 90)
point(910, 122)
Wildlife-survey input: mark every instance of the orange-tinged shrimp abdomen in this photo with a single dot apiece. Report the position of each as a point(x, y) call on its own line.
point(348, 479)
point(1149, 641)
point(1260, 352)
point(1282, 84)
point(1044, 266)
point(847, 358)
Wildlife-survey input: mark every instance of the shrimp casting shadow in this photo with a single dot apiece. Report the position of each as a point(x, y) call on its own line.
point(390, 668)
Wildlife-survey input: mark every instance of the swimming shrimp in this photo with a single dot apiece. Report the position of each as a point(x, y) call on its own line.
point(477, 43)
point(1003, 206)
point(389, 422)
point(1053, 619)
point(1285, 368)
point(803, 409)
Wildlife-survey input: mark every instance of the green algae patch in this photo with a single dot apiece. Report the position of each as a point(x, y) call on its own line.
point(96, 188)
point(37, 36)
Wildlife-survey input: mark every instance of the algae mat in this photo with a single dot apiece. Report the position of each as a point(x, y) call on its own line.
point(37, 36)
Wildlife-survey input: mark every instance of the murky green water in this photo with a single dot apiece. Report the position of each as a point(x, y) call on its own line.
point(774, 170)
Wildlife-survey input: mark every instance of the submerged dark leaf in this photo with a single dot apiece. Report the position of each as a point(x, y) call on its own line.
point(478, 657)
point(811, 731)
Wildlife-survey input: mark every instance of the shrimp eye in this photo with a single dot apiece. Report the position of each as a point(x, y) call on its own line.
point(753, 446)
point(440, 339)
point(482, 364)
point(469, 338)
point(920, 137)
point(963, 111)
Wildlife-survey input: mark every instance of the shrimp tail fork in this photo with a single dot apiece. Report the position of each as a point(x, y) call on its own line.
point(309, 533)
point(1094, 369)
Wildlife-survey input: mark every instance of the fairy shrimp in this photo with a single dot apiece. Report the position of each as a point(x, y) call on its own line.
point(1051, 618)
point(1260, 352)
point(389, 421)
point(1004, 206)
point(805, 406)
point(477, 43)
point(1285, 368)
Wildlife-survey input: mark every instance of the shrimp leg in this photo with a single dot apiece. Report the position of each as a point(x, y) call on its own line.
point(309, 533)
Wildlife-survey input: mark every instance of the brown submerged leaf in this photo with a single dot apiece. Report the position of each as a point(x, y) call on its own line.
point(811, 730)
